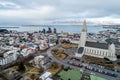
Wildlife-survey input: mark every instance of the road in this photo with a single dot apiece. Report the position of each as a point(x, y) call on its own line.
point(64, 62)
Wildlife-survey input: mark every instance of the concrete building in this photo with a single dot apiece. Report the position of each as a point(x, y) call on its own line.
point(46, 76)
point(8, 59)
point(42, 61)
point(96, 49)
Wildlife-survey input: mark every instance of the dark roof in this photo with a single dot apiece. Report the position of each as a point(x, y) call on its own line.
point(80, 50)
point(96, 45)
point(111, 40)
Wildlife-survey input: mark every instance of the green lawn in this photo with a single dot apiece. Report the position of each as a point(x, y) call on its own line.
point(70, 74)
point(92, 77)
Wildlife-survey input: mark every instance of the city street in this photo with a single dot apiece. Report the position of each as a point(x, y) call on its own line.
point(68, 59)
point(65, 63)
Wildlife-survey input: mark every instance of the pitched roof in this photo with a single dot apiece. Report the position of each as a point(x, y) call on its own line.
point(96, 45)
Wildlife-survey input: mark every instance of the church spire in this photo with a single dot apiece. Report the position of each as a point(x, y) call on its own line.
point(84, 27)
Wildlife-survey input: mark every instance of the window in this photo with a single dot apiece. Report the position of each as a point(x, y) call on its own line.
point(107, 54)
point(85, 50)
point(90, 50)
point(97, 51)
point(103, 54)
point(100, 53)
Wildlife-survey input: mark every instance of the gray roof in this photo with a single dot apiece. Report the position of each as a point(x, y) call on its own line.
point(80, 50)
point(96, 45)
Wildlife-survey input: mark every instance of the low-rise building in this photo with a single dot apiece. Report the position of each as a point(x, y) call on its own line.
point(46, 76)
point(42, 61)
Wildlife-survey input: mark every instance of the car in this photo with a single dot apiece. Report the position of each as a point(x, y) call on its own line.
point(80, 65)
point(92, 73)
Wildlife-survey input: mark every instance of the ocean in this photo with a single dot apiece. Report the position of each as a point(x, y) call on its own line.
point(59, 28)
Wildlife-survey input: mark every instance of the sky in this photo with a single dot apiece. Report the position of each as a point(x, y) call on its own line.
point(20, 12)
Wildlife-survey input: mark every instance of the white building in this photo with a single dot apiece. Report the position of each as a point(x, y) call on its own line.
point(95, 49)
point(46, 76)
point(13, 52)
point(52, 40)
point(43, 45)
point(39, 60)
point(26, 51)
point(8, 58)
point(42, 61)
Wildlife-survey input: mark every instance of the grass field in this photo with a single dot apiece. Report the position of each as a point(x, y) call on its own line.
point(54, 71)
point(68, 46)
point(99, 61)
point(59, 54)
point(92, 77)
point(70, 75)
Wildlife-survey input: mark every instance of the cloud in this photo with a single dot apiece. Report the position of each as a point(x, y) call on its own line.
point(7, 5)
point(36, 11)
point(39, 13)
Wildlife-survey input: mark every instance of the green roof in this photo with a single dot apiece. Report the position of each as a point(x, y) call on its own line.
point(70, 74)
point(92, 77)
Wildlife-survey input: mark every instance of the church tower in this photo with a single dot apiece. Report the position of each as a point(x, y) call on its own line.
point(95, 49)
point(82, 41)
point(83, 35)
point(112, 48)
point(112, 52)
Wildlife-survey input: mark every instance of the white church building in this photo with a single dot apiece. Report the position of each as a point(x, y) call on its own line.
point(95, 49)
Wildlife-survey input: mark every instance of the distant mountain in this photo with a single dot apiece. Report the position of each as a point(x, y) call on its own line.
point(90, 21)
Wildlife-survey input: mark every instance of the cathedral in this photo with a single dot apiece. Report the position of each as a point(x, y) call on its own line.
point(95, 49)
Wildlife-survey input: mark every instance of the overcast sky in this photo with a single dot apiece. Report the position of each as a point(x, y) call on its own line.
point(38, 11)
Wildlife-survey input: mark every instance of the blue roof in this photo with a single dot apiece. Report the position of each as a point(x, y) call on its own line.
point(47, 64)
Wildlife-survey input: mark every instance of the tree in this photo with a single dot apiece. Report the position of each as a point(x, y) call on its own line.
point(32, 76)
point(118, 56)
point(69, 79)
point(21, 67)
point(106, 59)
point(0, 68)
point(118, 63)
point(54, 65)
point(57, 41)
point(41, 70)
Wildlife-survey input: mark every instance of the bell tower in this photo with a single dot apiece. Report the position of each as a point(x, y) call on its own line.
point(82, 41)
point(83, 35)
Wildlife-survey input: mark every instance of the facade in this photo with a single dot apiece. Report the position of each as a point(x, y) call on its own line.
point(96, 49)
point(46, 76)
point(42, 61)
point(8, 59)
point(52, 40)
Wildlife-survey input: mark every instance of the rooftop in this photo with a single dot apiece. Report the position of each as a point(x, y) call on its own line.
point(96, 45)
point(45, 75)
